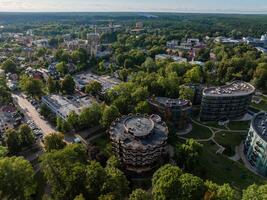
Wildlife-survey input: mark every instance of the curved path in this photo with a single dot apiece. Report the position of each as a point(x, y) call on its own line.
point(214, 131)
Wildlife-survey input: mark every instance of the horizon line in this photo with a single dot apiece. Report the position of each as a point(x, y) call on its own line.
point(167, 12)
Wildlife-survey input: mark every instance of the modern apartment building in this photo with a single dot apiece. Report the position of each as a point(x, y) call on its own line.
point(175, 110)
point(139, 141)
point(255, 146)
point(230, 101)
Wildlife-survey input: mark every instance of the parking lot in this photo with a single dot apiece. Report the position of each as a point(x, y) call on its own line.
point(33, 118)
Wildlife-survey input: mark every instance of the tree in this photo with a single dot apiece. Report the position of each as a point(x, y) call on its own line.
point(95, 179)
point(217, 192)
point(13, 141)
point(65, 171)
point(90, 117)
point(192, 187)
point(187, 93)
point(62, 68)
point(260, 76)
point(165, 183)
point(94, 88)
point(9, 66)
point(193, 75)
point(31, 86)
point(16, 140)
point(3, 151)
point(17, 178)
point(54, 141)
point(79, 197)
point(149, 65)
point(128, 63)
point(142, 107)
point(255, 192)
point(5, 95)
point(107, 197)
point(68, 85)
point(113, 161)
point(73, 120)
point(53, 85)
point(110, 113)
point(123, 74)
point(26, 135)
point(188, 154)
point(140, 194)
point(116, 183)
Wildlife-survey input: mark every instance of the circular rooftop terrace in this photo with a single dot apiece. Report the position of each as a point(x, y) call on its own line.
point(138, 126)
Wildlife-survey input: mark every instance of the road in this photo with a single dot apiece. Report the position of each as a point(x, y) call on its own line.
point(31, 113)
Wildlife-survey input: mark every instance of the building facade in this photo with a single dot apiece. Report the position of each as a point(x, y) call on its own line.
point(230, 101)
point(175, 110)
point(139, 141)
point(255, 146)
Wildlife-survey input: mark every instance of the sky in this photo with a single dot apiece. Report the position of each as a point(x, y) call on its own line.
point(228, 6)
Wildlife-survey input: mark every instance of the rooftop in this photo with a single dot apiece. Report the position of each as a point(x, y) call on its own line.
point(139, 131)
point(259, 123)
point(167, 102)
point(107, 82)
point(66, 104)
point(237, 88)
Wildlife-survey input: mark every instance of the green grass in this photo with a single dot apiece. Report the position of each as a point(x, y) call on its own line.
point(262, 105)
point(219, 169)
point(239, 125)
point(228, 138)
point(229, 141)
point(213, 125)
point(199, 132)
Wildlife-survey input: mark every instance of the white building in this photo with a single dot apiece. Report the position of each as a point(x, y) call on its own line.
point(62, 106)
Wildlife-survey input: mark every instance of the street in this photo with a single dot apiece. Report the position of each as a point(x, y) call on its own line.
point(31, 113)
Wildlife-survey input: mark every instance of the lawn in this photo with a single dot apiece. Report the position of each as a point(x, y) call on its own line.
point(262, 105)
point(199, 132)
point(214, 124)
point(219, 169)
point(229, 141)
point(239, 125)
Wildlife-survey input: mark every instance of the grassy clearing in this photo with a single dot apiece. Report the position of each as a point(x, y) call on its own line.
point(199, 132)
point(239, 125)
point(221, 170)
point(229, 141)
point(262, 105)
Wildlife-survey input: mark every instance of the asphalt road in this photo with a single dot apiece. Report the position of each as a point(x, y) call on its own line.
point(31, 113)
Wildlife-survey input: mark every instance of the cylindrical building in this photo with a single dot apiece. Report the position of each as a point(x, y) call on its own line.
point(255, 146)
point(175, 110)
point(139, 141)
point(230, 101)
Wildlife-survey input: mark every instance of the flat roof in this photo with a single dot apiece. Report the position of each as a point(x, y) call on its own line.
point(66, 104)
point(107, 82)
point(139, 131)
point(236, 88)
point(259, 123)
point(168, 102)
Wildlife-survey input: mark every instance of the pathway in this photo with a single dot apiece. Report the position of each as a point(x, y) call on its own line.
point(214, 131)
